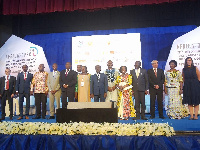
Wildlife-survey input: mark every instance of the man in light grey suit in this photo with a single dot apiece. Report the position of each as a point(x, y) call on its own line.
point(98, 85)
point(54, 89)
point(140, 87)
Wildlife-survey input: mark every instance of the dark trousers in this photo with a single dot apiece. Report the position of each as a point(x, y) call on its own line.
point(40, 98)
point(6, 96)
point(139, 99)
point(153, 94)
point(70, 95)
point(96, 98)
point(76, 99)
point(21, 100)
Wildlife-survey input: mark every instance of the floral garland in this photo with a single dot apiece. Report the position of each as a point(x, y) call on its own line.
point(81, 128)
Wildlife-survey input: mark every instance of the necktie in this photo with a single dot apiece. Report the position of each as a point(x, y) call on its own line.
point(25, 76)
point(66, 72)
point(155, 72)
point(98, 76)
point(7, 84)
point(137, 73)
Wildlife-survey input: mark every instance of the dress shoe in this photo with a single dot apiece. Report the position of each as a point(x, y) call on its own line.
point(43, 117)
point(11, 118)
point(162, 117)
point(37, 117)
point(151, 117)
point(20, 118)
point(26, 117)
point(51, 117)
point(144, 118)
point(136, 118)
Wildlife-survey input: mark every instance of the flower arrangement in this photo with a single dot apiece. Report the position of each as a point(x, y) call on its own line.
point(74, 128)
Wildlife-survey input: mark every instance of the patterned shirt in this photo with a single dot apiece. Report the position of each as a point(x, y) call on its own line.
point(111, 74)
point(40, 82)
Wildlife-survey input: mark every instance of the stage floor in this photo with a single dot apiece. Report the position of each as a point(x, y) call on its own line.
point(178, 125)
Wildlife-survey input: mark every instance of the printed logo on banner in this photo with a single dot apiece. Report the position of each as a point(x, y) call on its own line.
point(17, 52)
point(34, 51)
point(187, 45)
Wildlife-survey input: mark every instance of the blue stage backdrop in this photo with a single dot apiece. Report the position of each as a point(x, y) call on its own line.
point(156, 43)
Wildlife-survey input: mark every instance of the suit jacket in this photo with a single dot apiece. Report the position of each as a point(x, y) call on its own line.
point(101, 87)
point(153, 80)
point(12, 82)
point(53, 82)
point(141, 83)
point(23, 86)
point(70, 80)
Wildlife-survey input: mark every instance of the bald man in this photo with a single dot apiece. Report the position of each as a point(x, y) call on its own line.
point(54, 89)
point(7, 91)
point(156, 80)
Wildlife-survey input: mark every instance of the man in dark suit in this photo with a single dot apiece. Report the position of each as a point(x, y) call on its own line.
point(98, 85)
point(156, 81)
point(23, 85)
point(7, 91)
point(68, 80)
point(140, 87)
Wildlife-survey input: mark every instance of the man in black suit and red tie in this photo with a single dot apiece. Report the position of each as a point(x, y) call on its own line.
point(156, 80)
point(68, 80)
point(23, 85)
point(7, 91)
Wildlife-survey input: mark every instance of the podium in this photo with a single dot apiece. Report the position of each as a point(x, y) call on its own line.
point(98, 112)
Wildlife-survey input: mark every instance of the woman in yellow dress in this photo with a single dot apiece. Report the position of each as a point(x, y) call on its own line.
point(84, 86)
point(174, 87)
point(125, 102)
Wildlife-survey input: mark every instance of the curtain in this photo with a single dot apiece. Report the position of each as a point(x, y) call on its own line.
point(93, 142)
point(47, 6)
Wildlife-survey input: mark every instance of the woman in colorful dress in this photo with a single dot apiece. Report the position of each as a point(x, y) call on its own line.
point(173, 87)
point(191, 88)
point(125, 102)
point(83, 86)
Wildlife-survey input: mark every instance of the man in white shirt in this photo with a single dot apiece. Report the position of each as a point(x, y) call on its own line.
point(68, 80)
point(23, 89)
point(98, 85)
point(156, 80)
point(7, 91)
point(140, 87)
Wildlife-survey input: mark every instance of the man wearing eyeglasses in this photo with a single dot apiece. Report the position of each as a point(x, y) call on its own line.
point(7, 91)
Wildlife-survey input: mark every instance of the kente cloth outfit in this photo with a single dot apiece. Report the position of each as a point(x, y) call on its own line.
point(175, 108)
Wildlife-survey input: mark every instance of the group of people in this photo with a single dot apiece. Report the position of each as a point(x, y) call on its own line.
point(113, 85)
